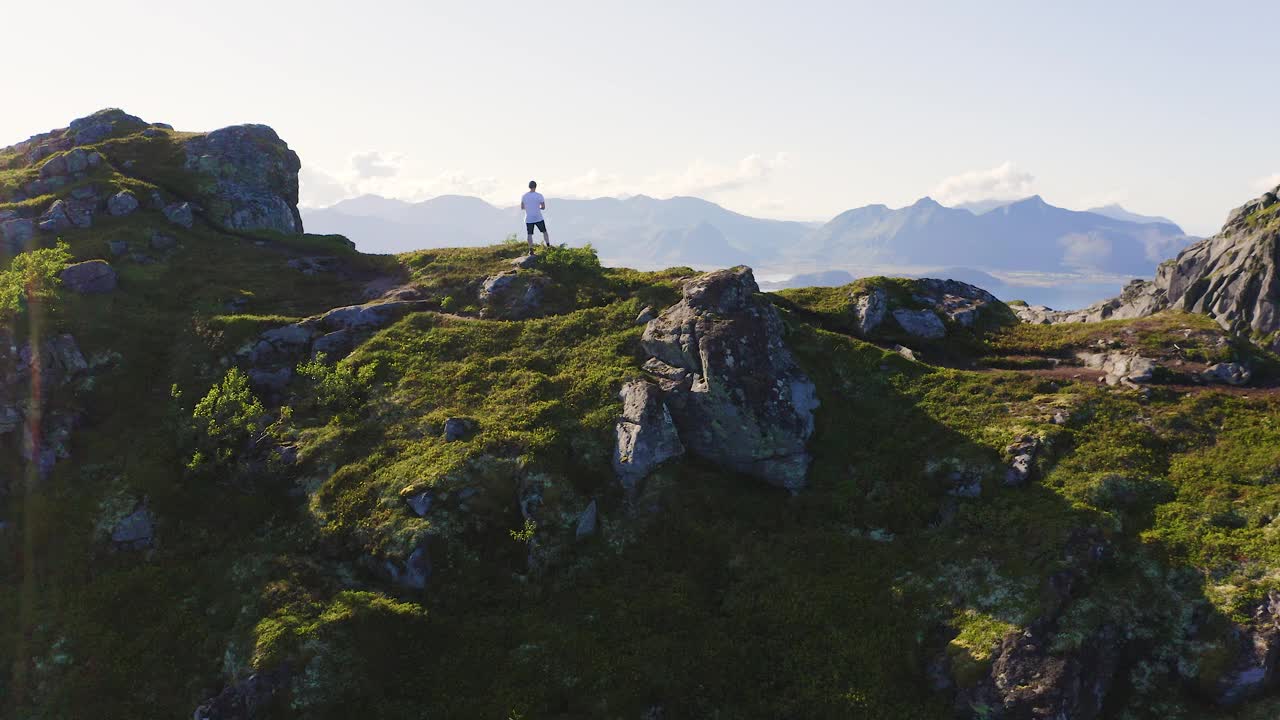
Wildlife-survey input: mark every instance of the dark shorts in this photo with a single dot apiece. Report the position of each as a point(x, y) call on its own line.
point(541, 225)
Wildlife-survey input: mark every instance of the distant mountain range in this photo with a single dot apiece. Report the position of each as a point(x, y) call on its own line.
point(1023, 236)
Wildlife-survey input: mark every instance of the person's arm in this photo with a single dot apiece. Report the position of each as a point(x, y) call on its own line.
point(542, 205)
point(521, 203)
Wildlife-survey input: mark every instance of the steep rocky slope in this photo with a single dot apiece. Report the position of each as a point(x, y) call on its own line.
point(1231, 277)
point(250, 473)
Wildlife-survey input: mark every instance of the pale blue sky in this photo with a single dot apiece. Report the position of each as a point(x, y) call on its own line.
point(787, 109)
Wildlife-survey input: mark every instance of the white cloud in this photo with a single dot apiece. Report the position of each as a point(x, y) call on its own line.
point(702, 178)
point(374, 164)
point(1003, 182)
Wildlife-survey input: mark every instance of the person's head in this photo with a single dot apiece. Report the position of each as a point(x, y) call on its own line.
point(533, 185)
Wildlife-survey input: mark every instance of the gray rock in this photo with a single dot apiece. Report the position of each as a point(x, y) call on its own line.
point(923, 324)
point(513, 295)
point(414, 572)
point(180, 214)
point(1256, 648)
point(869, 311)
point(56, 218)
point(54, 167)
point(370, 316)
point(646, 314)
point(965, 484)
point(63, 352)
point(420, 503)
point(1120, 368)
point(745, 403)
point(1227, 374)
point(294, 335)
point(458, 428)
point(89, 278)
point(334, 345)
point(135, 531)
point(254, 178)
point(270, 381)
point(587, 522)
point(645, 434)
point(1022, 453)
point(17, 233)
point(77, 161)
point(905, 352)
point(102, 125)
point(525, 262)
point(122, 203)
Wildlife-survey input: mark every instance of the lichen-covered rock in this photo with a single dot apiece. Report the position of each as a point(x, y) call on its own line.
point(91, 277)
point(513, 295)
point(255, 178)
point(742, 402)
point(646, 437)
point(122, 203)
point(923, 324)
point(587, 522)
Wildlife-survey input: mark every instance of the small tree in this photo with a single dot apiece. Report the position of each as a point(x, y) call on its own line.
point(226, 420)
point(31, 277)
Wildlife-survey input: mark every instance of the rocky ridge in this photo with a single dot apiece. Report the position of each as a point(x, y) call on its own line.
point(1232, 277)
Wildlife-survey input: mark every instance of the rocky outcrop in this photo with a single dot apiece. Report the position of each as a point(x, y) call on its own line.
point(45, 432)
point(924, 324)
point(1252, 669)
point(734, 391)
point(646, 436)
point(1120, 368)
point(512, 295)
point(255, 178)
point(1231, 277)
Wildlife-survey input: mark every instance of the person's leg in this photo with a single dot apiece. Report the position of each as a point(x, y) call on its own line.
point(546, 239)
point(529, 228)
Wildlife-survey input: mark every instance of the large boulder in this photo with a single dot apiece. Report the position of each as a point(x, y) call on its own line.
point(513, 295)
point(91, 277)
point(16, 234)
point(122, 203)
point(734, 391)
point(255, 178)
point(646, 435)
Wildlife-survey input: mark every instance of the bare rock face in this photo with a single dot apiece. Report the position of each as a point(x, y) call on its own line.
point(1231, 277)
point(1253, 668)
point(646, 435)
point(735, 393)
point(255, 178)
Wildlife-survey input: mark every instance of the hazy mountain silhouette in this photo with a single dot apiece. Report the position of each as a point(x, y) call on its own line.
point(1026, 235)
point(1115, 212)
point(1029, 235)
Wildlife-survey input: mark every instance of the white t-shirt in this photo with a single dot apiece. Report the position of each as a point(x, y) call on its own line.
point(532, 202)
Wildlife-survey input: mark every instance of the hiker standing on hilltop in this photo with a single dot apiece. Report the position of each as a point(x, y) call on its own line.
point(533, 204)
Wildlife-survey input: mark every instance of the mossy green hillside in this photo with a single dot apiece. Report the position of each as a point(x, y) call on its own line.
point(726, 599)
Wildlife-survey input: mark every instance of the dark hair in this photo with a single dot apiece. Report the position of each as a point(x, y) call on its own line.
point(532, 185)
